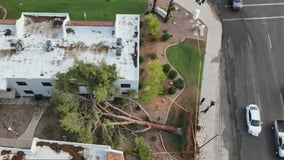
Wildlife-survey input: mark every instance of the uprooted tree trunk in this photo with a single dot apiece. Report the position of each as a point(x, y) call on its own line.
point(190, 140)
point(127, 119)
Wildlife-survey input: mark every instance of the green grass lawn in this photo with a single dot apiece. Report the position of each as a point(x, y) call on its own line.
point(100, 10)
point(186, 59)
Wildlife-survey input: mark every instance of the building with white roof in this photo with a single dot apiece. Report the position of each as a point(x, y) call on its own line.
point(38, 45)
point(47, 149)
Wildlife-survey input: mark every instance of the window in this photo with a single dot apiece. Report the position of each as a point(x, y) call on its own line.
point(22, 83)
point(46, 83)
point(28, 91)
point(125, 93)
point(249, 116)
point(125, 85)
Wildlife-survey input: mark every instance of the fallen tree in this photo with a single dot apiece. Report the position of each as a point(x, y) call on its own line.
point(91, 117)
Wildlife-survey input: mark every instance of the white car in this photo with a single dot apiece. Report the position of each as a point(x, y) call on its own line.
point(253, 119)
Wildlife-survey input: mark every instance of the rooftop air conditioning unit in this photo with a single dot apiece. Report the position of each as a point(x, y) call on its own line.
point(118, 52)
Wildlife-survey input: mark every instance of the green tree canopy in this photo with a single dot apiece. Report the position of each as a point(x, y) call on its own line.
point(153, 78)
point(78, 115)
point(141, 148)
point(98, 79)
point(90, 117)
point(152, 23)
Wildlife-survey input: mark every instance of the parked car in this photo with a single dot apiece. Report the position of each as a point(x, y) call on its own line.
point(253, 119)
point(278, 131)
point(237, 4)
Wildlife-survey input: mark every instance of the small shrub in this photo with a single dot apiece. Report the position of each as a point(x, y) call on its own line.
point(172, 90)
point(179, 84)
point(166, 37)
point(153, 56)
point(141, 59)
point(173, 7)
point(153, 39)
point(132, 92)
point(141, 85)
point(141, 42)
point(164, 91)
point(166, 68)
point(119, 101)
point(142, 70)
point(147, 12)
point(70, 30)
point(141, 149)
point(138, 108)
point(172, 74)
point(154, 138)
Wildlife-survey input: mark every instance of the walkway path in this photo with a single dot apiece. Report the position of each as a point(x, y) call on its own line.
point(29, 132)
point(5, 12)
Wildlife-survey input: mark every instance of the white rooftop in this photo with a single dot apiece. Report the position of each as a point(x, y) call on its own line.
point(47, 149)
point(43, 44)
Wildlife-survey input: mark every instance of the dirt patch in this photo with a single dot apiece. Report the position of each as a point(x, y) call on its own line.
point(17, 117)
point(49, 127)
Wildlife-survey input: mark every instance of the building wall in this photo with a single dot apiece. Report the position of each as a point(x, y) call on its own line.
point(124, 86)
point(30, 87)
point(35, 85)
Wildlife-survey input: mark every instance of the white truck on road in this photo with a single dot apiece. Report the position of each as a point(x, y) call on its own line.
point(278, 129)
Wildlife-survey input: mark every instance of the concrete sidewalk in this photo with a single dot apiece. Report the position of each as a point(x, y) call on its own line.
point(210, 84)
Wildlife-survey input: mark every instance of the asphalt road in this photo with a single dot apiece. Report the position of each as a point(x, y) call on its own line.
point(252, 72)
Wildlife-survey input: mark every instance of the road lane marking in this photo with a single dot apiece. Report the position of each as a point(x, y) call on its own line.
point(257, 5)
point(263, 4)
point(258, 99)
point(250, 43)
point(252, 18)
point(281, 98)
point(269, 40)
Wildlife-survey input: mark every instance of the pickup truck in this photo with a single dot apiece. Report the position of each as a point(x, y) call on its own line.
point(278, 131)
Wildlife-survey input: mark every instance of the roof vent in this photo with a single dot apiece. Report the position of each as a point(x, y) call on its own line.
point(118, 42)
point(8, 32)
point(48, 46)
point(19, 45)
point(118, 52)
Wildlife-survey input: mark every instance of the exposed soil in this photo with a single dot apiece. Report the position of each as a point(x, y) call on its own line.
point(17, 117)
point(49, 127)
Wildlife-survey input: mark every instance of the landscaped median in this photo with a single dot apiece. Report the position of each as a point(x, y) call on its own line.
point(187, 57)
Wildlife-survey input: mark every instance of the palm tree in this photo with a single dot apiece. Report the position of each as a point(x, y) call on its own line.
point(169, 10)
point(154, 5)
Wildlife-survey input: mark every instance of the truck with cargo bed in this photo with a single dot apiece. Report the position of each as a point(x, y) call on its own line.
point(278, 132)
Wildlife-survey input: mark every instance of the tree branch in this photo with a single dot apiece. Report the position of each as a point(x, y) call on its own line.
point(143, 130)
point(147, 114)
point(121, 123)
point(139, 122)
point(127, 114)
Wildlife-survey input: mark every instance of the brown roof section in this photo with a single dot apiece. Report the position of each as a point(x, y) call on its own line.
point(8, 21)
point(90, 23)
point(114, 156)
